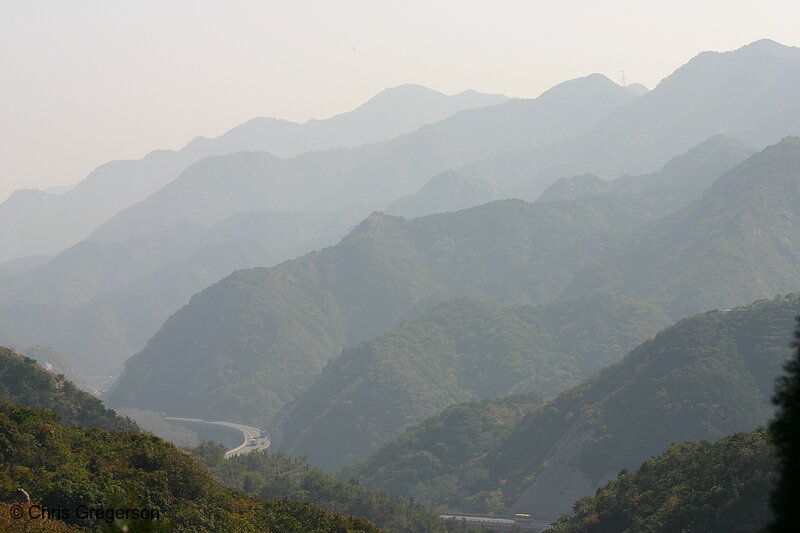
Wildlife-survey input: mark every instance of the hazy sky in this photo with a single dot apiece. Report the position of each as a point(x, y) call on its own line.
point(84, 82)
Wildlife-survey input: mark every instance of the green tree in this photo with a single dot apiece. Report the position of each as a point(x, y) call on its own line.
point(785, 431)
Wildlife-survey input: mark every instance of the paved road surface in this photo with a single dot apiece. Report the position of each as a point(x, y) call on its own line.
point(498, 524)
point(249, 433)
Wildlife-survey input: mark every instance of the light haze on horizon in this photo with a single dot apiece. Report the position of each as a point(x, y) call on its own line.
point(87, 82)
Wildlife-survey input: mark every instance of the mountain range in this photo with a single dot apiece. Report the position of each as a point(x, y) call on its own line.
point(136, 283)
point(749, 94)
point(680, 181)
point(707, 376)
point(478, 303)
point(371, 175)
point(46, 223)
point(588, 125)
point(241, 337)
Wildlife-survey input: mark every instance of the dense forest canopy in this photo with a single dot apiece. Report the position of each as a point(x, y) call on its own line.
point(705, 377)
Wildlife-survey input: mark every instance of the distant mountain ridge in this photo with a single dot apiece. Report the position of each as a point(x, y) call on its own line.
point(372, 175)
point(681, 180)
point(728, 93)
point(751, 94)
point(47, 223)
point(388, 114)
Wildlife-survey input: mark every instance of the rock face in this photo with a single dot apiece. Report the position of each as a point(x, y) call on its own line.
point(561, 482)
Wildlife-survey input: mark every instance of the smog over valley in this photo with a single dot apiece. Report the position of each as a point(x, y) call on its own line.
point(421, 267)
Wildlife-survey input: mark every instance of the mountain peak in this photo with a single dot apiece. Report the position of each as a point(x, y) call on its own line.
point(592, 82)
point(373, 224)
point(406, 90)
point(25, 196)
point(412, 94)
point(769, 46)
point(742, 71)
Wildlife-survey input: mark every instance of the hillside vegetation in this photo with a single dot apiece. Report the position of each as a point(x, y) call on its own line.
point(741, 238)
point(64, 467)
point(22, 381)
point(696, 487)
point(461, 350)
point(429, 460)
point(705, 377)
point(100, 302)
point(252, 342)
point(249, 344)
point(280, 476)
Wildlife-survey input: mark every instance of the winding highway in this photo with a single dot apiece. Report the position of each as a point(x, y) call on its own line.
point(497, 524)
point(252, 440)
point(252, 436)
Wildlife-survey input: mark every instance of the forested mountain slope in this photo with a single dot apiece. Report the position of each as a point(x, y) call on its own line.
point(707, 376)
point(740, 240)
point(461, 350)
point(696, 487)
point(270, 475)
point(99, 303)
point(250, 343)
point(735, 244)
point(22, 381)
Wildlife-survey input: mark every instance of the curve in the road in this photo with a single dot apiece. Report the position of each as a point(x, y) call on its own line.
point(249, 433)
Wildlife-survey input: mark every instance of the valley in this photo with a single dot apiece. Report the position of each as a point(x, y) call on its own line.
point(576, 312)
